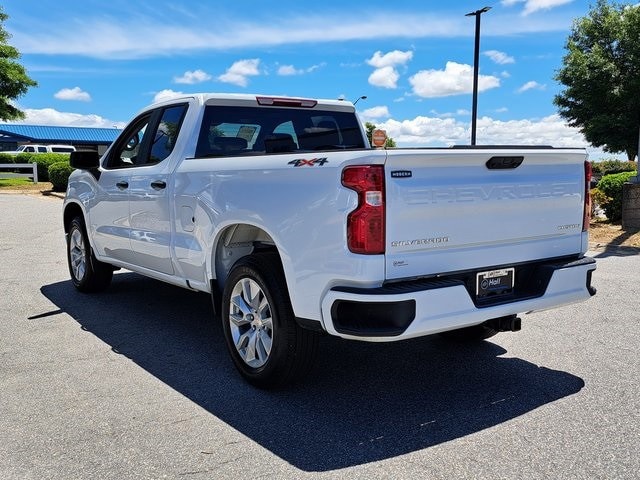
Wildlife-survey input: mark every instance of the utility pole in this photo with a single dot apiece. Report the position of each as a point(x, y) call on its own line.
point(476, 62)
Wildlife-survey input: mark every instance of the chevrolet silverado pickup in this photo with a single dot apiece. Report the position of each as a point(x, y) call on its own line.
point(281, 211)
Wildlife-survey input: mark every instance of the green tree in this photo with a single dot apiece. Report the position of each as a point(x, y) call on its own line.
point(370, 127)
point(14, 81)
point(601, 76)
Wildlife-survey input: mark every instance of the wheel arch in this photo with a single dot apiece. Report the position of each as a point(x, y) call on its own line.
point(71, 210)
point(234, 242)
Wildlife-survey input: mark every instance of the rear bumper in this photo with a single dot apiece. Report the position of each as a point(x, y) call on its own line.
point(411, 309)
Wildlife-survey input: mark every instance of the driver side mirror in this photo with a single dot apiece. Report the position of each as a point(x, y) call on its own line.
point(84, 160)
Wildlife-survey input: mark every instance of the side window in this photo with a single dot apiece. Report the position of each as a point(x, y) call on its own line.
point(42, 149)
point(30, 149)
point(128, 151)
point(149, 139)
point(167, 133)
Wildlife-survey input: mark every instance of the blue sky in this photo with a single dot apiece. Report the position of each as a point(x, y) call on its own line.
point(97, 63)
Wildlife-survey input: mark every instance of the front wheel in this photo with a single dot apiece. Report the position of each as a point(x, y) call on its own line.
point(87, 273)
point(266, 344)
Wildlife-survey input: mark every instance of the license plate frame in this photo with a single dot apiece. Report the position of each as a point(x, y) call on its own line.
point(498, 282)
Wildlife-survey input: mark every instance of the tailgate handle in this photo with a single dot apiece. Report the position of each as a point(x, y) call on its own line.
point(504, 163)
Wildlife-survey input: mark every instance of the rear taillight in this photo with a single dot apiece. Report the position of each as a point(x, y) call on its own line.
point(586, 218)
point(366, 224)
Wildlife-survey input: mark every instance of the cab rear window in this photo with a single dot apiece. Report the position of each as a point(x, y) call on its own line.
point(232, 131)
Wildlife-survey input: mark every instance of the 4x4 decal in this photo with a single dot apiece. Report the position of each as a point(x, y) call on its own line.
point(302, 162)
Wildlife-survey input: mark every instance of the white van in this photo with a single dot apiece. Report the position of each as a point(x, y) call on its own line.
point(43, 149)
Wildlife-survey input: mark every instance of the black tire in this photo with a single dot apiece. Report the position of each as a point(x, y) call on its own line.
point(266, 344)
point(475, 333)
point(87, 273)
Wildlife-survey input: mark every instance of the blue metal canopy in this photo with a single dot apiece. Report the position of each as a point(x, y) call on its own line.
point(48, 134)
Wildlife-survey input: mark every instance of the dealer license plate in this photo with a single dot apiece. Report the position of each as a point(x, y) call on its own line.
point(495, 282)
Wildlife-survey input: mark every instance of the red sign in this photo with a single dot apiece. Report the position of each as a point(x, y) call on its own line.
point(378, 138)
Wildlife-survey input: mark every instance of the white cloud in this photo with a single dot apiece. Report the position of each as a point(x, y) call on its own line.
point(166, 94)
point(182, 34)
point(390, 59)
point(498, 57)
point(427, 131)
point(288, 70)
point(374, 114)
point(462, 111)
point(455, 79)
point(239, 72)
point(441, 115)
point(535, 5)
point(191, 78)
point(385, 74)
point(501, 110)
point(385, 77)
point(531, 6)
point(74, 94)
point(505, 74)
point(532, 85)
point(551, 130)
point(49, 116)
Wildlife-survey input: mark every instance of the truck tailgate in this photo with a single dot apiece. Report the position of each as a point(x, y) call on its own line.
point(453, 210)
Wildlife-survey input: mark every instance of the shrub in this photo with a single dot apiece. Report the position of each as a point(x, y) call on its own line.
point(611, 186)
point(44, 160)
point(611, 166)
point(598, 199)
point(23, 158)
point(59, 175)
point(6, 158)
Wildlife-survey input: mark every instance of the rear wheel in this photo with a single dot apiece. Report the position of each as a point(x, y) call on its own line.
point(87, 273)
point(266, 344)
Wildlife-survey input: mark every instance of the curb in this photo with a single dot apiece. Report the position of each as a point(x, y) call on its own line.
point(46, 193)
point(49, 193)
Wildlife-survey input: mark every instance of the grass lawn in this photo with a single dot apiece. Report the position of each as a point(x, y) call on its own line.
point(14, 182)
point(24, 184)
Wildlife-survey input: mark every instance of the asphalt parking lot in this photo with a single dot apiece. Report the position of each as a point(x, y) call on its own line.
point(136, 383)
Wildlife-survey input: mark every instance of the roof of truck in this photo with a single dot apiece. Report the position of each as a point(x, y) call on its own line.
point(254, 98)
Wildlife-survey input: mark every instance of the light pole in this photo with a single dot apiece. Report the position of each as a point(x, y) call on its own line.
point(476, 60)
point(362, 97)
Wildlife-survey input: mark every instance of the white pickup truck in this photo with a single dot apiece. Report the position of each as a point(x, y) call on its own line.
point(280, 210)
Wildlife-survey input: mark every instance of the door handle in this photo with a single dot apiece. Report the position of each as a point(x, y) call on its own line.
point(122, 185)
point(158, 185)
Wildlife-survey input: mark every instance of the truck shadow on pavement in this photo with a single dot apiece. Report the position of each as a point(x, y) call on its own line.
point(362, 402)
